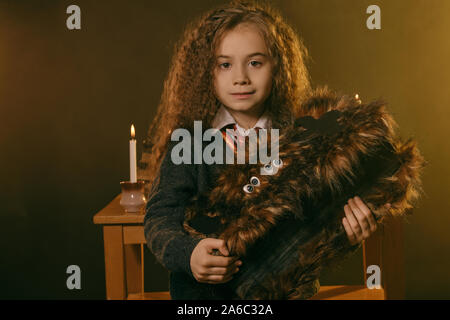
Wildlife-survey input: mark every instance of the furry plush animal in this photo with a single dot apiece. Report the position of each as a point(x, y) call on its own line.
point(287, 226)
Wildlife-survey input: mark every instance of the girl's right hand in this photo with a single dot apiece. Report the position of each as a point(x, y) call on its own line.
point(208, 268)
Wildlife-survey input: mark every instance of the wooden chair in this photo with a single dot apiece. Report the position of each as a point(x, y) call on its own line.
point(124, 243)
point(385, 249)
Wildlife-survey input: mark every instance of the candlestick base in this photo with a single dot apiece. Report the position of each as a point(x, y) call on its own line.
point(133, 196)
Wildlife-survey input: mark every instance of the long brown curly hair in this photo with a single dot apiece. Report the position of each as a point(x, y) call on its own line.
point(188, 92)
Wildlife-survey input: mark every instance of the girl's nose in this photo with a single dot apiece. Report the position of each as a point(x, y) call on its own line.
point(241, 82)
point(240, 77)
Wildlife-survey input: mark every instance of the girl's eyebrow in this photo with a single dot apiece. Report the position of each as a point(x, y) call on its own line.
point(249, 56)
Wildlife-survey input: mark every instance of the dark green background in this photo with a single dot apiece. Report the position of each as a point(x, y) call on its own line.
point(68, 98)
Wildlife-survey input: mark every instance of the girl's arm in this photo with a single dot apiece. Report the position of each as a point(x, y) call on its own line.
point(163, 221)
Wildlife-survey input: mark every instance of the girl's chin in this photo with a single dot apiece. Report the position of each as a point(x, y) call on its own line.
point(242, 106)
point(242, 110)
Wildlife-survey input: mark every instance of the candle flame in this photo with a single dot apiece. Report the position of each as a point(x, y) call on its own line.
point(357, 96)
point(132, 131)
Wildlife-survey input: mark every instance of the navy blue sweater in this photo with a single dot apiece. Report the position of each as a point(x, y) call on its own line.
point(163, 229)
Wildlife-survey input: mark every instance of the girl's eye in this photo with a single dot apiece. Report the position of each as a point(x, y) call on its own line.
point(226, 65)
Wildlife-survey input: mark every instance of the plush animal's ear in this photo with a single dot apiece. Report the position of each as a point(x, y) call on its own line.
point(326, 124)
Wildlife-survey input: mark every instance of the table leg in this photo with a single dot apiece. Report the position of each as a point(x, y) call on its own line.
point(133, 268)
point(114, 263)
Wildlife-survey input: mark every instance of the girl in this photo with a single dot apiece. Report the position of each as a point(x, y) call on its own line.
point(239, 65)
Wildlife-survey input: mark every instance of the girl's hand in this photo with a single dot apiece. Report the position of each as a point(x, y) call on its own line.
point(208, 268)
point(359, 222)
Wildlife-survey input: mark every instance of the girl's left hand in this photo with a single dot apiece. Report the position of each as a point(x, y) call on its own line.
point(359, 222)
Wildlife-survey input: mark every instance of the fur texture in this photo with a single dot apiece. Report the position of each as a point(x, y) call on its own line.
point(290, 226)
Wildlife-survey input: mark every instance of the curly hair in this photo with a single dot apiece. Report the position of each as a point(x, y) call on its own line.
point(188, 92)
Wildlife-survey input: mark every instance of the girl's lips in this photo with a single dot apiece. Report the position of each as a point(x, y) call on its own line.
point(242, 96)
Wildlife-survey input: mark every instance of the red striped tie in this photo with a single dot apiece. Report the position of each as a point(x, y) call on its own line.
point(231, 141)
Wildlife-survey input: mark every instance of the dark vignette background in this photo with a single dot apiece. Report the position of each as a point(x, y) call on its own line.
point(68, 98)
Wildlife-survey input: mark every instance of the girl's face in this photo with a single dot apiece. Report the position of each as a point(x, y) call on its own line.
point(243, 66)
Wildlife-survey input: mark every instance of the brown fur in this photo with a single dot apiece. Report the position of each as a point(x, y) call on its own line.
point(362, 156)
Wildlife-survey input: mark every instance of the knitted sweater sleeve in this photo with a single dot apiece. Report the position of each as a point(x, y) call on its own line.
point(164, 215)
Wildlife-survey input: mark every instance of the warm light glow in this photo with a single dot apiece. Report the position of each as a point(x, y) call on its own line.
point(357, 96)
point(132, 131)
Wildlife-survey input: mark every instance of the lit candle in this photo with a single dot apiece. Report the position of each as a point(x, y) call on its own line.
point(133, 172)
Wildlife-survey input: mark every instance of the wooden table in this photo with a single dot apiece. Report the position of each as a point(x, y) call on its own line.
point(124, 240)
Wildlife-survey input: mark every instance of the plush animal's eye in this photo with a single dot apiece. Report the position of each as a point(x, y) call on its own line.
point(254, 181)
point(248, 188)
point(268, 168)
point(277, 163)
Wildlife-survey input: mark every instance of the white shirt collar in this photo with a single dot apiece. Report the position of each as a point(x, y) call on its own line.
point(223, 118)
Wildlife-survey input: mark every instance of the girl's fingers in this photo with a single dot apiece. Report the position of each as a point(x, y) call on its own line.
point(221, 271)
point(349, 231)
point(361, 220)
point(220, 261)
point(218, 274)
point(216, 279)
point(352, 220)
point(219, 244)
point(367, 213)
point(217, 271)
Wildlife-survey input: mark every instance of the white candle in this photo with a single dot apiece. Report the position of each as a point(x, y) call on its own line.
point(133, 172)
